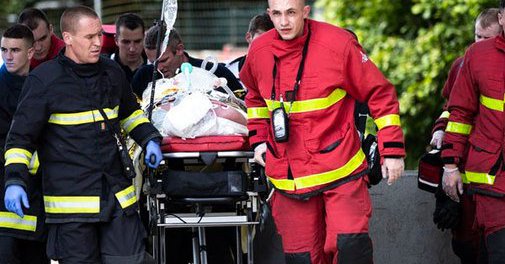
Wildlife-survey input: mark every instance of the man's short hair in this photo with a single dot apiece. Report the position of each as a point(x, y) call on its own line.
point(20, 31)
point(488, 17)
point(260, 22)
point(129, 20)
point(32, 17)
point(151, 37)
point(71, 16)
point(502, 4)
point(174, 39)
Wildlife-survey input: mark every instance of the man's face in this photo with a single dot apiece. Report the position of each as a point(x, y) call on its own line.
point(84, 43)
point(16, 55)
point(170, 61)
point(130, 43)
point(288, 17)
point(484, 33)
point(42, 36)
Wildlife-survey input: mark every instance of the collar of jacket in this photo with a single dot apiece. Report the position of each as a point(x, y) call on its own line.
point(13, 81)
point(500, 42)
point(284, 48)
point(82, 70)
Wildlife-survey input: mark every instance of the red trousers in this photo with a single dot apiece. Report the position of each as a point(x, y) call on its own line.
point(328, 228)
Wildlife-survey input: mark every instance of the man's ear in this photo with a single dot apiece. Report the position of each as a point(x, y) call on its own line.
point(248, 37)
point(51, 28)
point(67, 38)
point(306, 11)
point(31, 51)
point(179, 49)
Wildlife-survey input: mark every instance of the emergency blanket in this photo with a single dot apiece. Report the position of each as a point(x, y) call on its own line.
point(189, 106)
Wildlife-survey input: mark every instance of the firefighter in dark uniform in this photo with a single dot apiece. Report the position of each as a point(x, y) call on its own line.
point(72, 109)
point(22, 239)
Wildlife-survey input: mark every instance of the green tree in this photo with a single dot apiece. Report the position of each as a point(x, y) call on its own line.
point(414, 43)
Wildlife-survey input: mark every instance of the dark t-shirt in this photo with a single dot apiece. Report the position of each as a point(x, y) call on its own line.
point(128, 72)
point(144, 75)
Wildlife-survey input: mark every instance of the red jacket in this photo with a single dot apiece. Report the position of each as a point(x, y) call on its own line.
point(56, 45)
point(480, 88)
point(323, 146)
point(441, 122)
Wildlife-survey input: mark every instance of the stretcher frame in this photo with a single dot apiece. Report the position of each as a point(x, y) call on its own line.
point(245, 217)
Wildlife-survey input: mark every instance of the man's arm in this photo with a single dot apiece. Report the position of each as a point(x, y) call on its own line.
point(132, 118)
point(463, 106)
point(31, 116)
point(366, 83)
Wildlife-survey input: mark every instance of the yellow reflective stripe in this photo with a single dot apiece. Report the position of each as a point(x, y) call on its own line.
point(13, 221)
point(136, 118)
point(309, 105)
point(458, 128)
point(17, 155)
point(126, 197)
point(79, 118)
point(464, 179)
point(320, 178)
point(479, 177)
point(445, 114)
point(33, 167)
point(491, 103)
point(388, 120)
point(257, 112)
point(283, 184)
point(72, 204)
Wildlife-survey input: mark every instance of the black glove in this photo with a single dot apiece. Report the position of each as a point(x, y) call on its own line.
point(447, 212)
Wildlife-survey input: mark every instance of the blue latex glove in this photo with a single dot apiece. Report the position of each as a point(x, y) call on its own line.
point(14, 195)
point(153, 155)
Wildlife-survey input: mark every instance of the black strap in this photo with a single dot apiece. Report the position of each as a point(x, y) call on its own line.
point(300, 70)
point(115, 134)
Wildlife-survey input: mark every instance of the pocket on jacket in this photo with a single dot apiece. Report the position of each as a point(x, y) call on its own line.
point(329, 142)
point(482, 155)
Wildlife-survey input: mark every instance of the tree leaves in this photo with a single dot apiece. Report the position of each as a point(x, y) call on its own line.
point(414, 43)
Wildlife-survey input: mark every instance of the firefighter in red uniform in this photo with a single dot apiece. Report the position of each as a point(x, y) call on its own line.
point(47, 44)
point(466, 239)
point(303, 79)
point(476, 120)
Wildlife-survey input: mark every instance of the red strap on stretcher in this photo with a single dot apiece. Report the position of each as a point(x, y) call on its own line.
point(204, 144)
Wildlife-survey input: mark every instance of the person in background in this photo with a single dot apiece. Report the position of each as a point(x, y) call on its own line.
point(22, 239)
point(47, 44)
point(171, 60)
point(258, 25)
point(473, 142)
point(129, 40)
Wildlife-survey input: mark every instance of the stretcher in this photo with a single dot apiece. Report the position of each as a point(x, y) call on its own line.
point(234, 202)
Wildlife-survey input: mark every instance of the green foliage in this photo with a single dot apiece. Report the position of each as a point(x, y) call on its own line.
point(414, 43)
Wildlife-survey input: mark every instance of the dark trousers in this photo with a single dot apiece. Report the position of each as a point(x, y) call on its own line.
point(20, 251)
point(119, 241)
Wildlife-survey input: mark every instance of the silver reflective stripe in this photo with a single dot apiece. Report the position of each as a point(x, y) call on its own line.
point(72, 204)
point(13, 221)
point(82, 117)
point(136, 118)
point(126, 197)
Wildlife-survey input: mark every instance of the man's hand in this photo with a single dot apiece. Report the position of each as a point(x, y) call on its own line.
point(392, 169)
point(436, 139)
point(14, 195)
point(153, 155)
point(259, 151)
point(452, 184)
